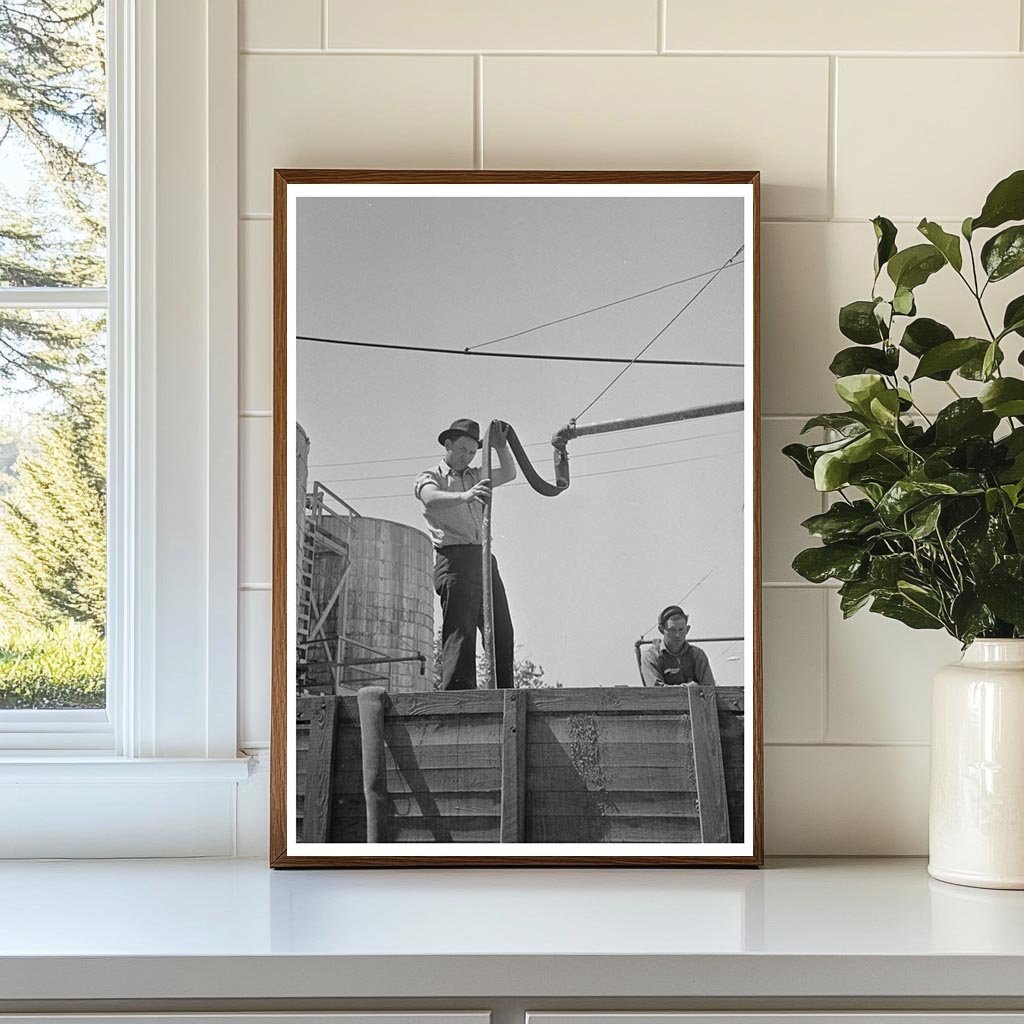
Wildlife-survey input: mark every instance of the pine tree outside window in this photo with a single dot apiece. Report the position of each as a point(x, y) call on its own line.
point(53, 363)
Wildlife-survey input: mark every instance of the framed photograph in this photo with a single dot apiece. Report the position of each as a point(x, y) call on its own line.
point(516, 609)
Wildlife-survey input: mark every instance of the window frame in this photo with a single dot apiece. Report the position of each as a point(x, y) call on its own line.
point(149, 118)
point(79, 730)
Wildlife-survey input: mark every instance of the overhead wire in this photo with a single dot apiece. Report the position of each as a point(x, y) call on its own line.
point(691, 591)
point(531, 444)
point(595, 309)
point(518, 355)
point(580, 476)
point(636, 359)
point(585, 455)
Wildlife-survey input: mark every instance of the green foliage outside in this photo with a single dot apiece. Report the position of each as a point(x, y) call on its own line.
point(927, 526)
point(52, 365)
point(59, 667)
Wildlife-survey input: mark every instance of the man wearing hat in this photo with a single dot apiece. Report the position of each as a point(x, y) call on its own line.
point(671, 661)
point(454, 494)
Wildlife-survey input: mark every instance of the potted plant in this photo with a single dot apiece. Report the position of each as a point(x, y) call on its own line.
point(927, 521)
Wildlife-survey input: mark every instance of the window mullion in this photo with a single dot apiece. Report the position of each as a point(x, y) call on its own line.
point(53, 298)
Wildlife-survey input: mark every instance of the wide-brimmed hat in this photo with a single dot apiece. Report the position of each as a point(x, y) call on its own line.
point(461, 428)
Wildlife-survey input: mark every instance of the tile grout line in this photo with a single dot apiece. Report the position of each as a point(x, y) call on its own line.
point(662, 41)
point(831, 171)
point(768, 55)
point(1020, 25)
point(323, 24)
point(478, 111)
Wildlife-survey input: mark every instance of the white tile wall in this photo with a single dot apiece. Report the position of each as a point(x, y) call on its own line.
point(874, 25)
point(879, 677)
point(969, 110)
point(838, 138)
point(256, 302)
point(795, 638)
point(701, 113)
point(261, 26)
point(254, 667)
point(351, 111)
point(255, 511)
point(471, 25)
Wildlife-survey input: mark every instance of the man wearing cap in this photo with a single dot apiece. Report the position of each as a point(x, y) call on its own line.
point(671, 661)
point(454, 494)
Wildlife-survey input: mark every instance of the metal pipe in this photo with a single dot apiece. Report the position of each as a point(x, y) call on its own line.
point(572, 429)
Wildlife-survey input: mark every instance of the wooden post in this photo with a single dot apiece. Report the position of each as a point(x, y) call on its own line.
point(316, 816)
point(513, 767)
point(707, 761)
point(371, 701)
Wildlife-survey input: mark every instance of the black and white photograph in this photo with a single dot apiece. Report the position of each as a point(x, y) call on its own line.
point(516, 562)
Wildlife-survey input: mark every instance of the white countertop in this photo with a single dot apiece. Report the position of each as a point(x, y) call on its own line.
point(234, 929)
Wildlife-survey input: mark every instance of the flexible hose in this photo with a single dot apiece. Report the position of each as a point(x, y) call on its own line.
point(541, 486)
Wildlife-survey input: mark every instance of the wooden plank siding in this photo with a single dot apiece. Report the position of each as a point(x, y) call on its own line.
point(594, 765)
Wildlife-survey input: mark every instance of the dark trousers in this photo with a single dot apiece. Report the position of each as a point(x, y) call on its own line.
point(458, 580)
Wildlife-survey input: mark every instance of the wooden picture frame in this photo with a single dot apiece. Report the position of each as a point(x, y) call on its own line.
point(380, 277)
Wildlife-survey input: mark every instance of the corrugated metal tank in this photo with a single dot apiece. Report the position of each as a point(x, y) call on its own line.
point(390, 604)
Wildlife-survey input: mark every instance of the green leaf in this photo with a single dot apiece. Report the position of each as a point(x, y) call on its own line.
point(912, 267)
point(1013, 317)
point(906, 494)
point(966, 417)
point(886, 571)
point(970, 617)
point(840, 561)
point(831, 471)
point(947, 244)
point(857, 321)
point(995, 499)
point(885, 409)
point(974, 368)
point(799, 455)
point(858, 389)
point(899, 608)
point(1005, 202)
point(965, 228)
point(925, 518)
point(849, 361)
point(1005, 596)
point(1004, 397)
point(950, 355)
point(841, 421)
point(923, 335)
point(842, 521)
point(991, 360)
point(1003, 254)
point(903, 302)
point(885, 236)
point(854, 595)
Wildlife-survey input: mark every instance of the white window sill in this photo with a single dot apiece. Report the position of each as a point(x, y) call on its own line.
point(81, 767)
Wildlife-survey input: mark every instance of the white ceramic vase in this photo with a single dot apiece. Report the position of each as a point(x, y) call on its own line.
point(976, 814)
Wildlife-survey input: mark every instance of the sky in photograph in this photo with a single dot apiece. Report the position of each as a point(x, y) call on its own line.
point(651, 513)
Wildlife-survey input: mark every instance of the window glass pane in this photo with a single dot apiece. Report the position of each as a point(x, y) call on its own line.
point(52, 509)
point(53, 150)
